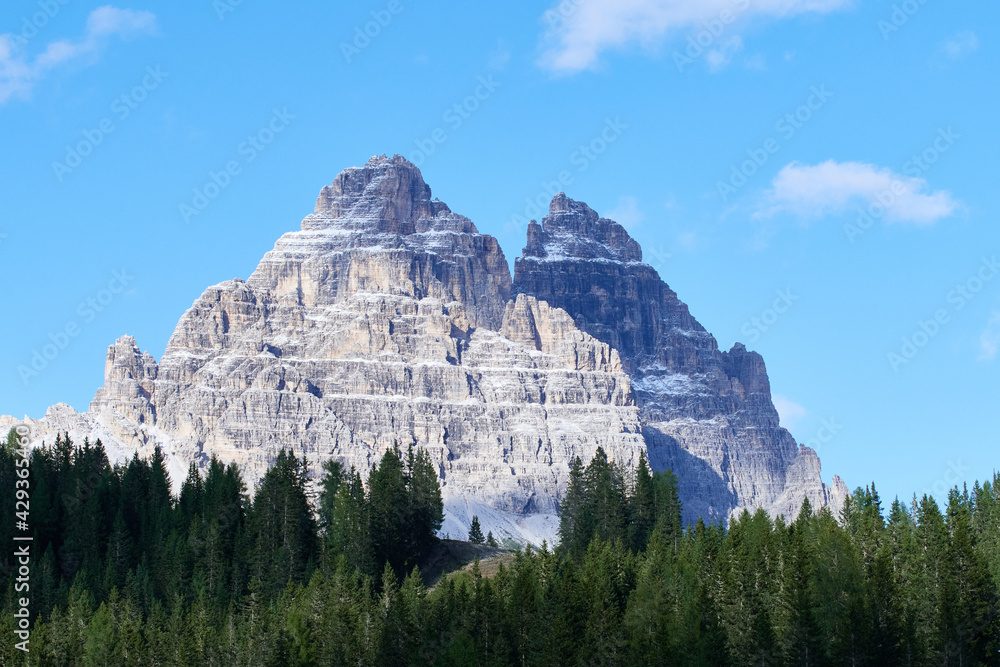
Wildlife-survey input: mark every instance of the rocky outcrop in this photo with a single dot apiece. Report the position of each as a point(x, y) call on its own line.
point(389, 319)
point(706, 414)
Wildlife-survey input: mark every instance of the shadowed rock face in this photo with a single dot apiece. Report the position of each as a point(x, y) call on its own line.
point(390, 319)
point(705, 413)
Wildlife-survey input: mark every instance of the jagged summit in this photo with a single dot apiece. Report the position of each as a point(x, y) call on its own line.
point(377, 230)
point(706, 413)
point(389, 192)
point(573, 229)
point(389, 319)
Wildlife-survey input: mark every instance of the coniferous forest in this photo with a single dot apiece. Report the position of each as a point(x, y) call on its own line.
point(125, 573)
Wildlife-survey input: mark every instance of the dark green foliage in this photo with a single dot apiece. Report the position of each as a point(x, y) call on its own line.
point(281, 527)
point(389, 511)
point(426, 509)
point(125, 574)
point(476, 532)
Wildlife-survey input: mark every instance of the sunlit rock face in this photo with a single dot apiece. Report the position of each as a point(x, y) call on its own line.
point(707, 414)
point(388, 319)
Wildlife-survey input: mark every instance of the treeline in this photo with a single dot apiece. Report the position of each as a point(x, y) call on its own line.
point(108, 535)
point(131, 576)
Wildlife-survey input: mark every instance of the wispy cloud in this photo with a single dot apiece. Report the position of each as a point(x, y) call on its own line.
point(959, 45)
point(19, 73)
point(580, 30)
point(719, 57)
point(834, 187)
point(626, 213)
point(989, 339)
point(789, 412)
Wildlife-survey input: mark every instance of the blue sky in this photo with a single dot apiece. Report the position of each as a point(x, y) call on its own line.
point(815, 178)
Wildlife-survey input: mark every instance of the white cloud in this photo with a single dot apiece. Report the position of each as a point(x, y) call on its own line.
point(789, 412)
point(833, 187)
point(960, 45)
point(580, 30)
point(989, 339)
point(626, 213)
point(19, 73)
point(723, 55)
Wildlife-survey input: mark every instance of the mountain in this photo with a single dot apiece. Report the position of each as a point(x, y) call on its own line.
point(388, 319)
point(705, 413)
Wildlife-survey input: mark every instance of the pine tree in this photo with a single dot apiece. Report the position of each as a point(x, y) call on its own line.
point(333, 476)
point(282, 526)
point(475, 532)
point(970, 599)
point(575, 527)
point(667, 507)
point(424, 502)
point(642, 506)
point(490, 540)
point(388, 504)
point(606, 497)
point(347, 535)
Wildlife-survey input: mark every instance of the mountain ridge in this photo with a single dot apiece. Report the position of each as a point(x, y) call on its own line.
point(389, 319)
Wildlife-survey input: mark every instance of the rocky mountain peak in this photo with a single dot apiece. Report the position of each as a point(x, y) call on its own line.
point(386, 195)
point(574, 230)
point(707, 414)
point(390, 319)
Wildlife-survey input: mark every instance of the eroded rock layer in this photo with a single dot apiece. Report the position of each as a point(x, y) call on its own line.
point(706, 414)
point(387, 318)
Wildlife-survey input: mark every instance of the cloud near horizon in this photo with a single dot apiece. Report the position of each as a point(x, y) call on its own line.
point(580, 30)
point(790, 413)
point(831, 188)
point(19, 73)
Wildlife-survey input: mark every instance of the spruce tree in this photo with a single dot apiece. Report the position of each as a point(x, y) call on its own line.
point(575, 527)
point(475, 532)
point(642, 506)
point(282, 526)
point(426, 509)
point(390, 512)
point(606, 497)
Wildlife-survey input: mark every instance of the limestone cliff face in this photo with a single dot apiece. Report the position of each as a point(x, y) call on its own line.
point(706, 414)
point(387, 318)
